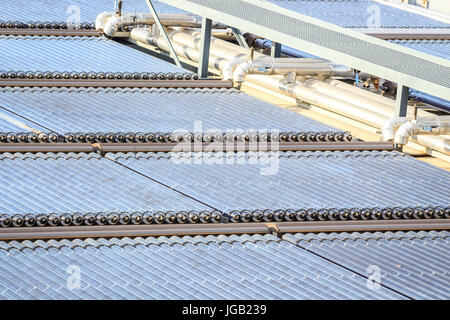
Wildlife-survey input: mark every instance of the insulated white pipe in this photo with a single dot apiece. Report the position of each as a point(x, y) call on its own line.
point(109, 22)
point(353, 111)
point(429, 126)
point(329, 94)
point(301, 66)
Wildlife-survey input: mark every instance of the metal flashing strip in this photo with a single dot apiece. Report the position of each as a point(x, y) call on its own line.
point(115, 83)
point(22, 233)
point(193, 147)
point(50, 32)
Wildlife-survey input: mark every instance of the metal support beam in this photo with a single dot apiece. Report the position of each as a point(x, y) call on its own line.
point(173, 54)
point(239, 37)
point(401, 102)
point(204, 50)
point(275, 50)
point(119, 8)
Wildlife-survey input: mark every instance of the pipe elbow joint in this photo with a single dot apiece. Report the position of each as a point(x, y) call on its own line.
point(101, 18)
point(111, 25)
point(241, 71)
point(404, 132)
point(390, 127)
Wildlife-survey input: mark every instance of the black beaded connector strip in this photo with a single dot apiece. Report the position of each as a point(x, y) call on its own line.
point(66, 75)
point(44, 25)
point(234, 216)
point(169, 137)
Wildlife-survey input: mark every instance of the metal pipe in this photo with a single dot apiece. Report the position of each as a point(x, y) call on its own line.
point(341, 106)
point(351, 102)
point(110, 23)
point(301, 66)
point(309, 95)
point(391, 126)
point(422, 126)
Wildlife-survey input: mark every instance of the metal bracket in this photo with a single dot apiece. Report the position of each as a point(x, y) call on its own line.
point(203, 61)
point(274, 230)
point(239, 37)
point(173, 54)
point(401, 101)
point(275, 50)
point(290, 78)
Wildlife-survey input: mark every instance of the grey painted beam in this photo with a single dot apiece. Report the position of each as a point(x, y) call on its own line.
point(275, 50)
point(401, 102)
point(173, 54)
point(380, 58)
point(204, 50)
point(240, 38)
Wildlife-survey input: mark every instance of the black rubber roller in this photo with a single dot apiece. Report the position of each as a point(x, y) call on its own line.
point(322, 215)
point(182, 217)
point(257, 216)
point(158, 217)
point(246, 216)
point(278, 215)
point(235, 216)
point(54, 220)
point(205, 217)
point(407, 213)
point(29, 220)
point(5, 221)
point(268, 215)
point(113, 218)
point(311, 214)
point(147, 217)
point(66, 219)
point(300, 214)
point(77, 219)
point(136, 218)
point(354, 214)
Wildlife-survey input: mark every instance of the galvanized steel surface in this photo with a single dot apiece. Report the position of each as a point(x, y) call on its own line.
point(414, 263)
point(211, 267)
point(88, 54)
point(359, 13)
point(321, 179)
point(150, 109)
point(68, 10)
point(438, 48)
point(68, 183)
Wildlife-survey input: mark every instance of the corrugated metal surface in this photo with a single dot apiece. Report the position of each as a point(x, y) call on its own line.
point(63, 10)
point(67, 183)
point(157, 109)
point(414, 263)
point(222, 267)
point(358, 13)
point(12, 123)
point(438, 48)
point(300, 179)
point(89, 54)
